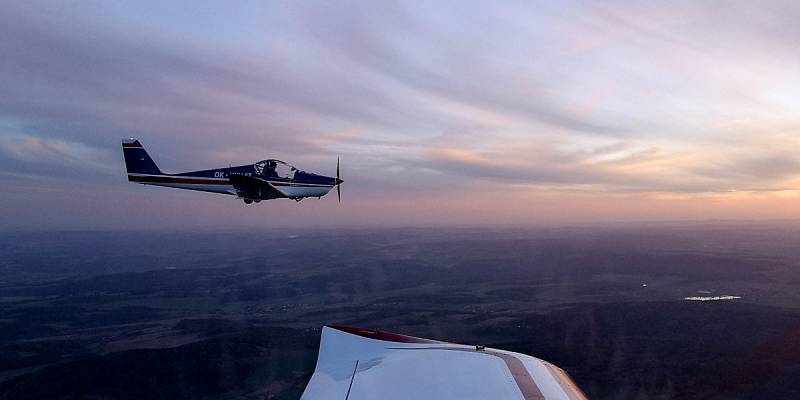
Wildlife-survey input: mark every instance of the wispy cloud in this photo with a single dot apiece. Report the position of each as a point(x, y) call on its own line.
point(434, 99)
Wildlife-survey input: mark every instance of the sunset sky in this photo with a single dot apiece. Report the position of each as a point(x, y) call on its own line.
point(443, 113)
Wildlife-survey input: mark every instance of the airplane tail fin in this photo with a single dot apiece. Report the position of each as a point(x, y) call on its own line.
point(137, 161)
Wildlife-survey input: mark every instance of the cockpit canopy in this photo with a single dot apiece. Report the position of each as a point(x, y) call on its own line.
point(275, 168)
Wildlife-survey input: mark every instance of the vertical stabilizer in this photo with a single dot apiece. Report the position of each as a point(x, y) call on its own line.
point(137, 161)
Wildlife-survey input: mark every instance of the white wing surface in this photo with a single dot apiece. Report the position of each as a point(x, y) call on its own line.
point(361, 364)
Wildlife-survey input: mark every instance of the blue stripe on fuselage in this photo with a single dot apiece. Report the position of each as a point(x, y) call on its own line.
point(300, 177)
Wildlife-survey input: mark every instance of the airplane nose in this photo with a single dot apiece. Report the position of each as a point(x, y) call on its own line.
point(339, 181)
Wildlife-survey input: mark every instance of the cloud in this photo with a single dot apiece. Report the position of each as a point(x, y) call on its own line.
point(26, 158)
point(428, 99)
point(41, 148)
point(767, 169)
point(620, 167)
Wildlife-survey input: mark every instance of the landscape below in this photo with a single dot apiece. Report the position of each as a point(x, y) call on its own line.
point(183, 315)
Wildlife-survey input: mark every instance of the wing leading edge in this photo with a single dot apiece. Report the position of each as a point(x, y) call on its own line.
point(357, 364)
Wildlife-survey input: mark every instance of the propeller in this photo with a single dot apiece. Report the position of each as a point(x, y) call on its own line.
point(338, 181)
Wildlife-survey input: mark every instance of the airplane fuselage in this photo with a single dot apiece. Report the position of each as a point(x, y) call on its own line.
point(217, 181)
point(263, 180)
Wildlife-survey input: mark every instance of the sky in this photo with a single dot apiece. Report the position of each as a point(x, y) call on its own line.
point(443, 113)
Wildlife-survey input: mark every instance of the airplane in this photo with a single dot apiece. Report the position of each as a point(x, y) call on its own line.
point(357, 364)
point(264, 180)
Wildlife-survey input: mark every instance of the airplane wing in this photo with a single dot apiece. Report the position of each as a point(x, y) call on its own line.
point(254, 188)
point(359, 364)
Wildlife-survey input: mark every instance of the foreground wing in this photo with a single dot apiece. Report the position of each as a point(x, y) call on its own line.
point(254, 188)
point(358, 364)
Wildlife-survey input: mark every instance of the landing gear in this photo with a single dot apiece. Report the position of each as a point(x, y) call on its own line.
point(248, 201)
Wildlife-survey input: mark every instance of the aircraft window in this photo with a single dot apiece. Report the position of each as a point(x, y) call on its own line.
point(284, 170)
point(261, 168)
point(275, 168)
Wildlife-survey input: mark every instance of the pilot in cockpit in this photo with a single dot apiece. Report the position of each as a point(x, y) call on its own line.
point(265, 168)
point(274, 169)
point(269, 169)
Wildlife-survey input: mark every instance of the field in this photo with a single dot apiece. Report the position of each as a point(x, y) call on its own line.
point(183, 315)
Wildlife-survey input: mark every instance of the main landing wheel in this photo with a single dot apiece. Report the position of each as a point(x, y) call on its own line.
point(248, 201)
